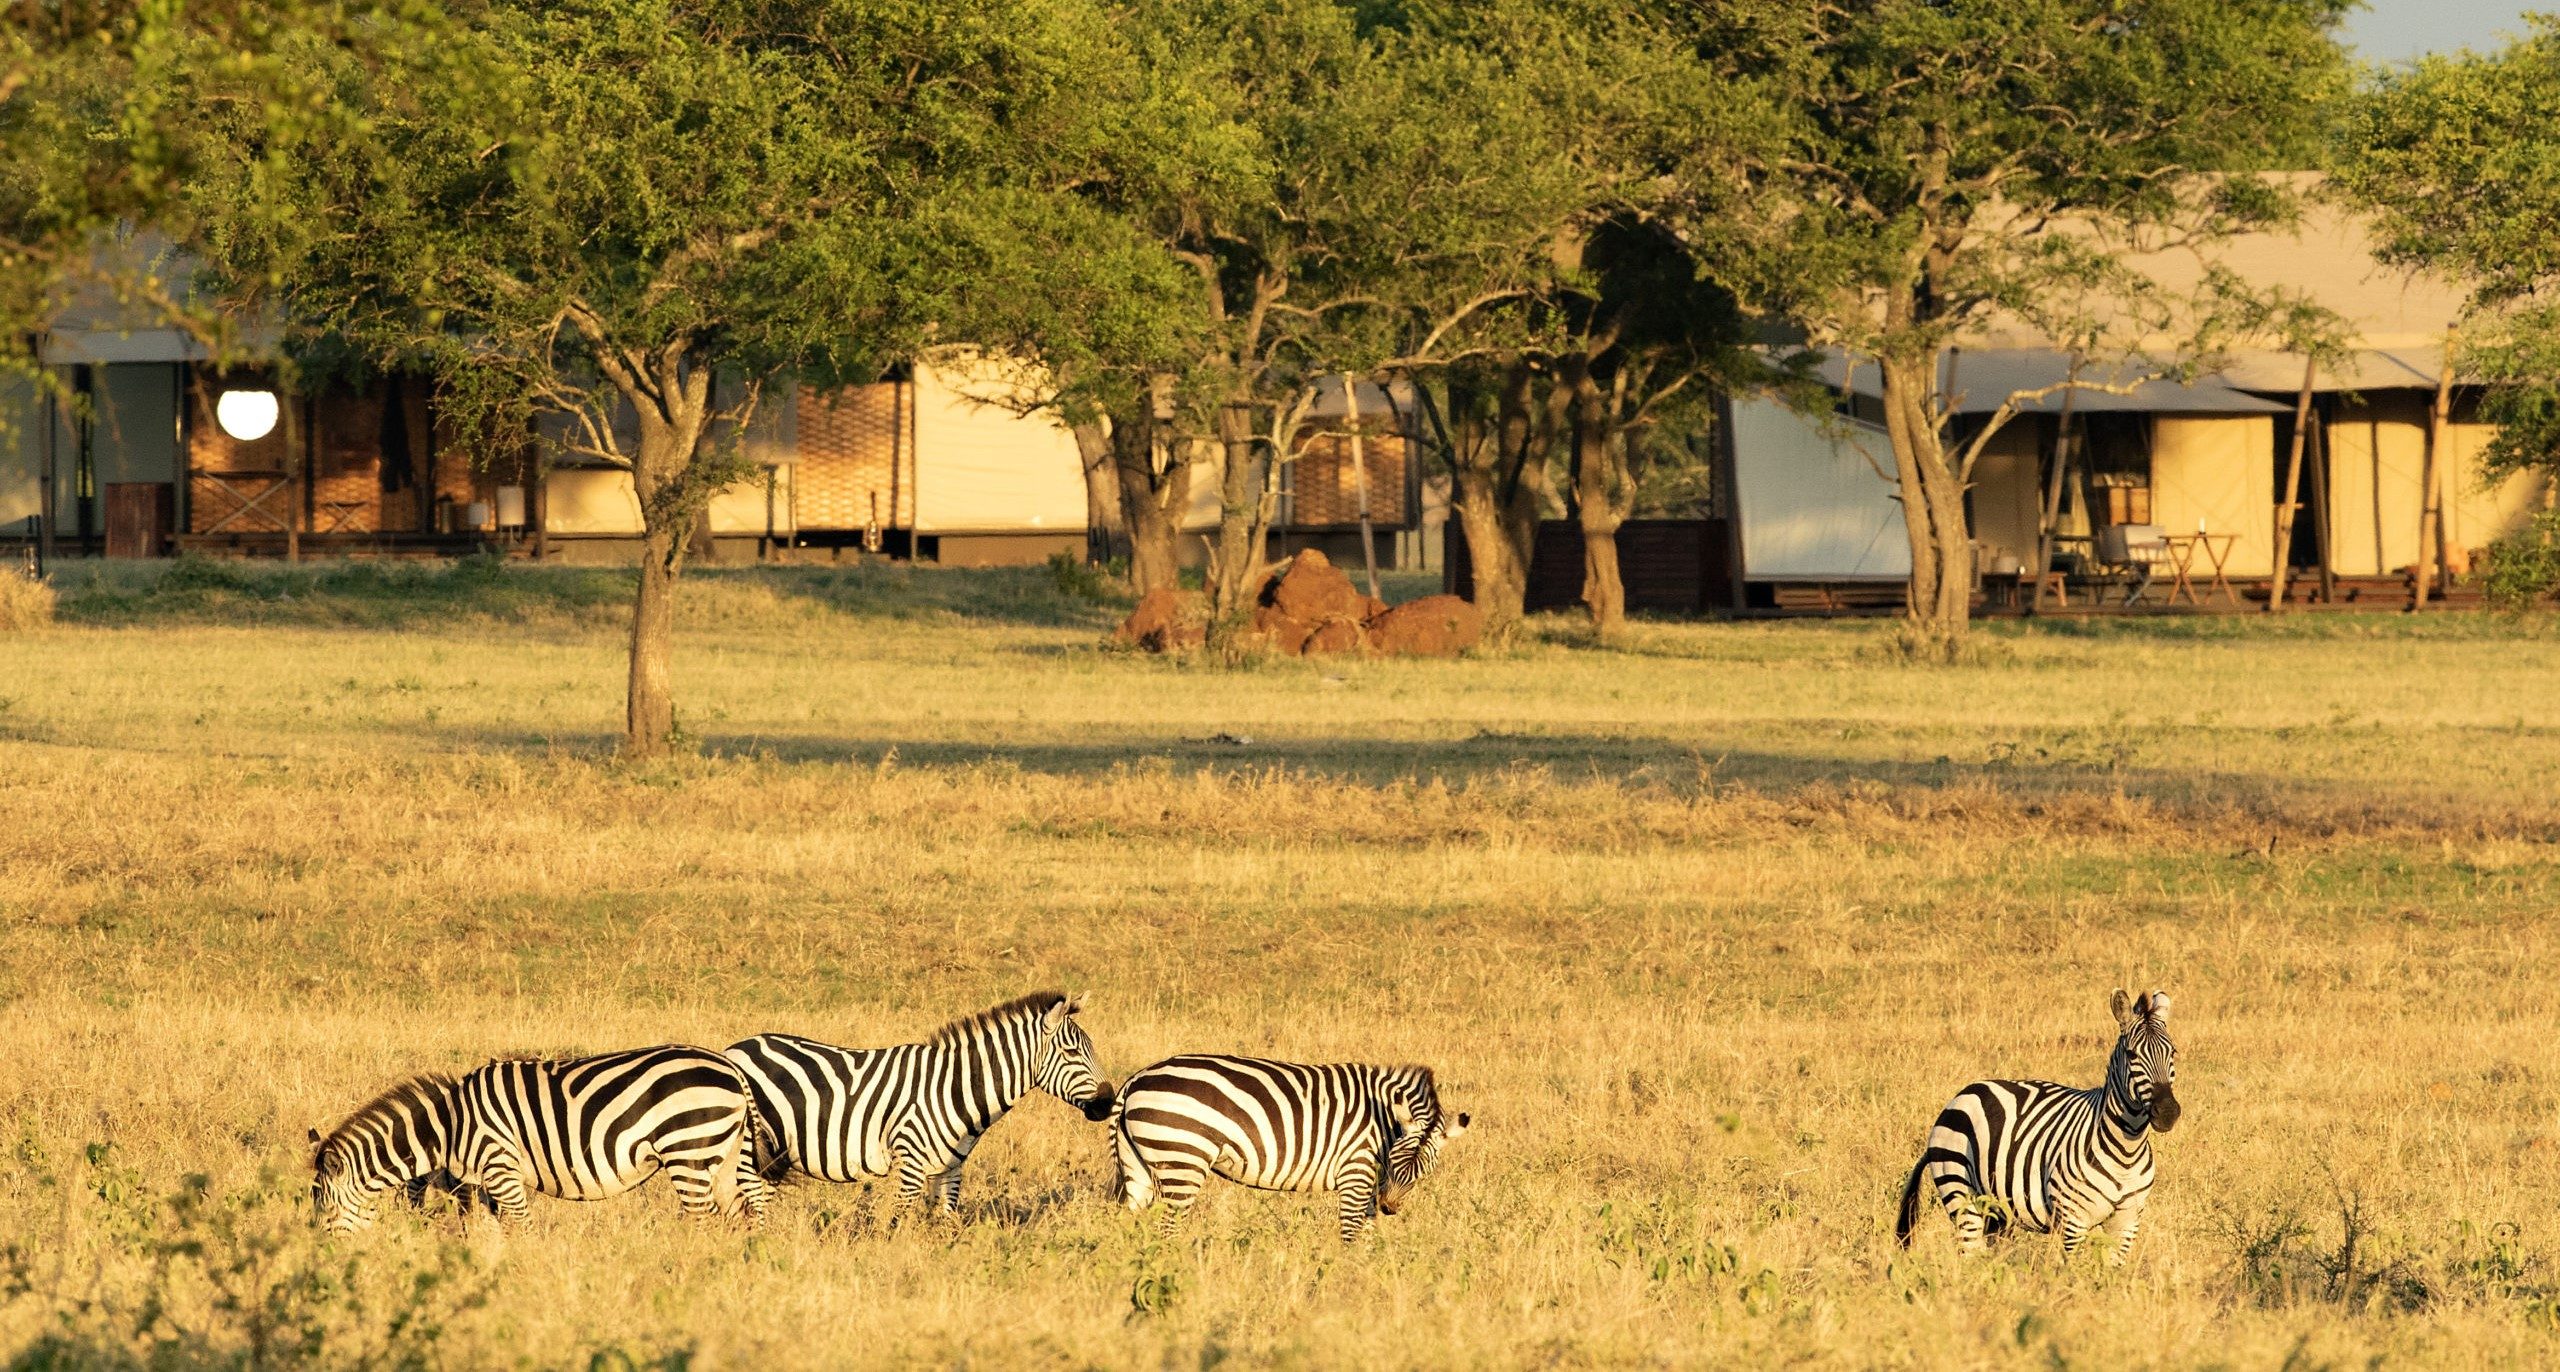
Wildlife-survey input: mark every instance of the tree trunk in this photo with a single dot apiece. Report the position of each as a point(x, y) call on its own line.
point(1474, 441)
point(651, 713)
point(1104, 538)
point(1238, 499)
point(1523, 476)
point(675, 481)
point(1155, 491)
point(1940, 602)
point(1595, 493)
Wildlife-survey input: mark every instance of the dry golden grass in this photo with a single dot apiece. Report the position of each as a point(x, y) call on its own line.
point(25, 602)
point(1703, 928)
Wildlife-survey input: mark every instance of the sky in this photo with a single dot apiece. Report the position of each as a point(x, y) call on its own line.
point(2396, 30)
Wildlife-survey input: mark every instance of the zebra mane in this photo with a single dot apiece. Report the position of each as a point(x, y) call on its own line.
point(1037, 1003)
point(423, 1090)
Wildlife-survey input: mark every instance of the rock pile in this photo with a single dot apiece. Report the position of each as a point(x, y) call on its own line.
point(1310, 607)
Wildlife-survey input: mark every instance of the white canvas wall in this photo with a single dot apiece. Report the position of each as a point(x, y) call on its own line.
point(590, 500)
point(984, 468)
point(2007, 499)
point(136, 433)
point(2477, 512)
point(602, 500)
point(741, 509)
point(1812, 506)
point(2218, 472)
point(2377, 459)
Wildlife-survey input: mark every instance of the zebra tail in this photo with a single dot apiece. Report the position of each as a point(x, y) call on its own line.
point(1909, 1219)
point(1133, 1185)
point(725, 1199)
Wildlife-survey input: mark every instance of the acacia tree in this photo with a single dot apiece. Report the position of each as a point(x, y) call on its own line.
point(1347, 171)
point(2450, 156)
point(92, 152)
point(1940, 161)
point(599, 209)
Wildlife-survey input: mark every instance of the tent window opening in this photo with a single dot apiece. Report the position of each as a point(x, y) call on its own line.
point(2119, 447)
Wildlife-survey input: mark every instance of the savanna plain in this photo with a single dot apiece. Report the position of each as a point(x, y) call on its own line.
point(1702, 925)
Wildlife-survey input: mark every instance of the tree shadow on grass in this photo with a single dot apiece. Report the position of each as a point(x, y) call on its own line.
point(1632, 762)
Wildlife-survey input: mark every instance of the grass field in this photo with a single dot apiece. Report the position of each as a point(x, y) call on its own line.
point(1702, 926)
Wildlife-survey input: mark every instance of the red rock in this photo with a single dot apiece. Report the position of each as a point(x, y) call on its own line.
point(1156, 612)
point(1164, 622)
point(1336, 636)
point(1283, 633)
point(1434, 626)
point(1312, 590)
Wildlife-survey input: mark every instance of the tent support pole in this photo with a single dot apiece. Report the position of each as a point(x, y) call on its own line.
point(2434, 559)
point(2320, 513)
point(2289, 495)
point(2050, 525)
point(1360, 476)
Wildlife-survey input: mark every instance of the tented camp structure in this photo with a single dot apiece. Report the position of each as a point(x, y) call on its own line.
point(945, 460)
point(141, 455)
point(1819, 524)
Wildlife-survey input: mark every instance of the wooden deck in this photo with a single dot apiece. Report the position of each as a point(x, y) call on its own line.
point(1788, 600)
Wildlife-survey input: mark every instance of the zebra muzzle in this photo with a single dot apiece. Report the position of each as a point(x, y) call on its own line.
point(2164, 1111)
point(1098, 1109)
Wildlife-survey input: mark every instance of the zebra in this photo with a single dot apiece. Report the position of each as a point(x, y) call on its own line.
point(2043, 1156)
point(577, 1128)
point(1365, 1132)
point(916, 1110)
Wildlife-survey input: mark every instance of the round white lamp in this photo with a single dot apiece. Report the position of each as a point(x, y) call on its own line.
point(247, 415)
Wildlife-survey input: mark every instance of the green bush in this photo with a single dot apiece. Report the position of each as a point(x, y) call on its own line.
point(2523, 568)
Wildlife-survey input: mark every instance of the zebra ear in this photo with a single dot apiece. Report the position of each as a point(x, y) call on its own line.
point(1055, 1017)
point(2154, 1006)
point(1075, 1003)
point(314, 1132)
point(2122, 1007)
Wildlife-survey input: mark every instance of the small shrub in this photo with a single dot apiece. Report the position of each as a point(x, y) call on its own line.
point(1078, 579)
point(2523, 568)
point(1917, 643)
point(25, 602)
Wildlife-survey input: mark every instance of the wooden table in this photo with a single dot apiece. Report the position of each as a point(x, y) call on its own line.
point(2182, 560)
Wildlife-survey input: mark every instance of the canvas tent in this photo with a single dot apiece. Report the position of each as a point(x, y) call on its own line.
point(2182, 453)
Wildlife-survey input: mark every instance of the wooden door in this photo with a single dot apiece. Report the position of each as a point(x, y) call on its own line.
point(139, 515)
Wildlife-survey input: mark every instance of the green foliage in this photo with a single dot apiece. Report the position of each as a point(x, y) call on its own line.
point(234, 1278)
point(1928, 150)
point(94, 155)
point(587, 209)
point(2451, 157)
point(2522, 569)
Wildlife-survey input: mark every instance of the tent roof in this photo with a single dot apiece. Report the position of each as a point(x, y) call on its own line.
point(2396, 320)
point(1982, 380)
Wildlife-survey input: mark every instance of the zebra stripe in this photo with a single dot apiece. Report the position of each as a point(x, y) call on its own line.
point(579, 1129)
point(1367, 1133)
point(2043, 1156)
point(916, 1110)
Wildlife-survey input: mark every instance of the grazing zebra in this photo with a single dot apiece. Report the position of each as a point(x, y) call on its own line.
point(1368, 1133)
point(916, 1110)
point(2043, 1156)
point(580, 1129)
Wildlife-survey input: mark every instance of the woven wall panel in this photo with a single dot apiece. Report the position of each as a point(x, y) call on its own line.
point(851, 456)
point(1324, 487)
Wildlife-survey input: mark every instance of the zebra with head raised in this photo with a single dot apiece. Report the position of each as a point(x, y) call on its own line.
point(2046, 1157)
point(579, 1128)
point(916, 1110)
point(1367, 1133)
